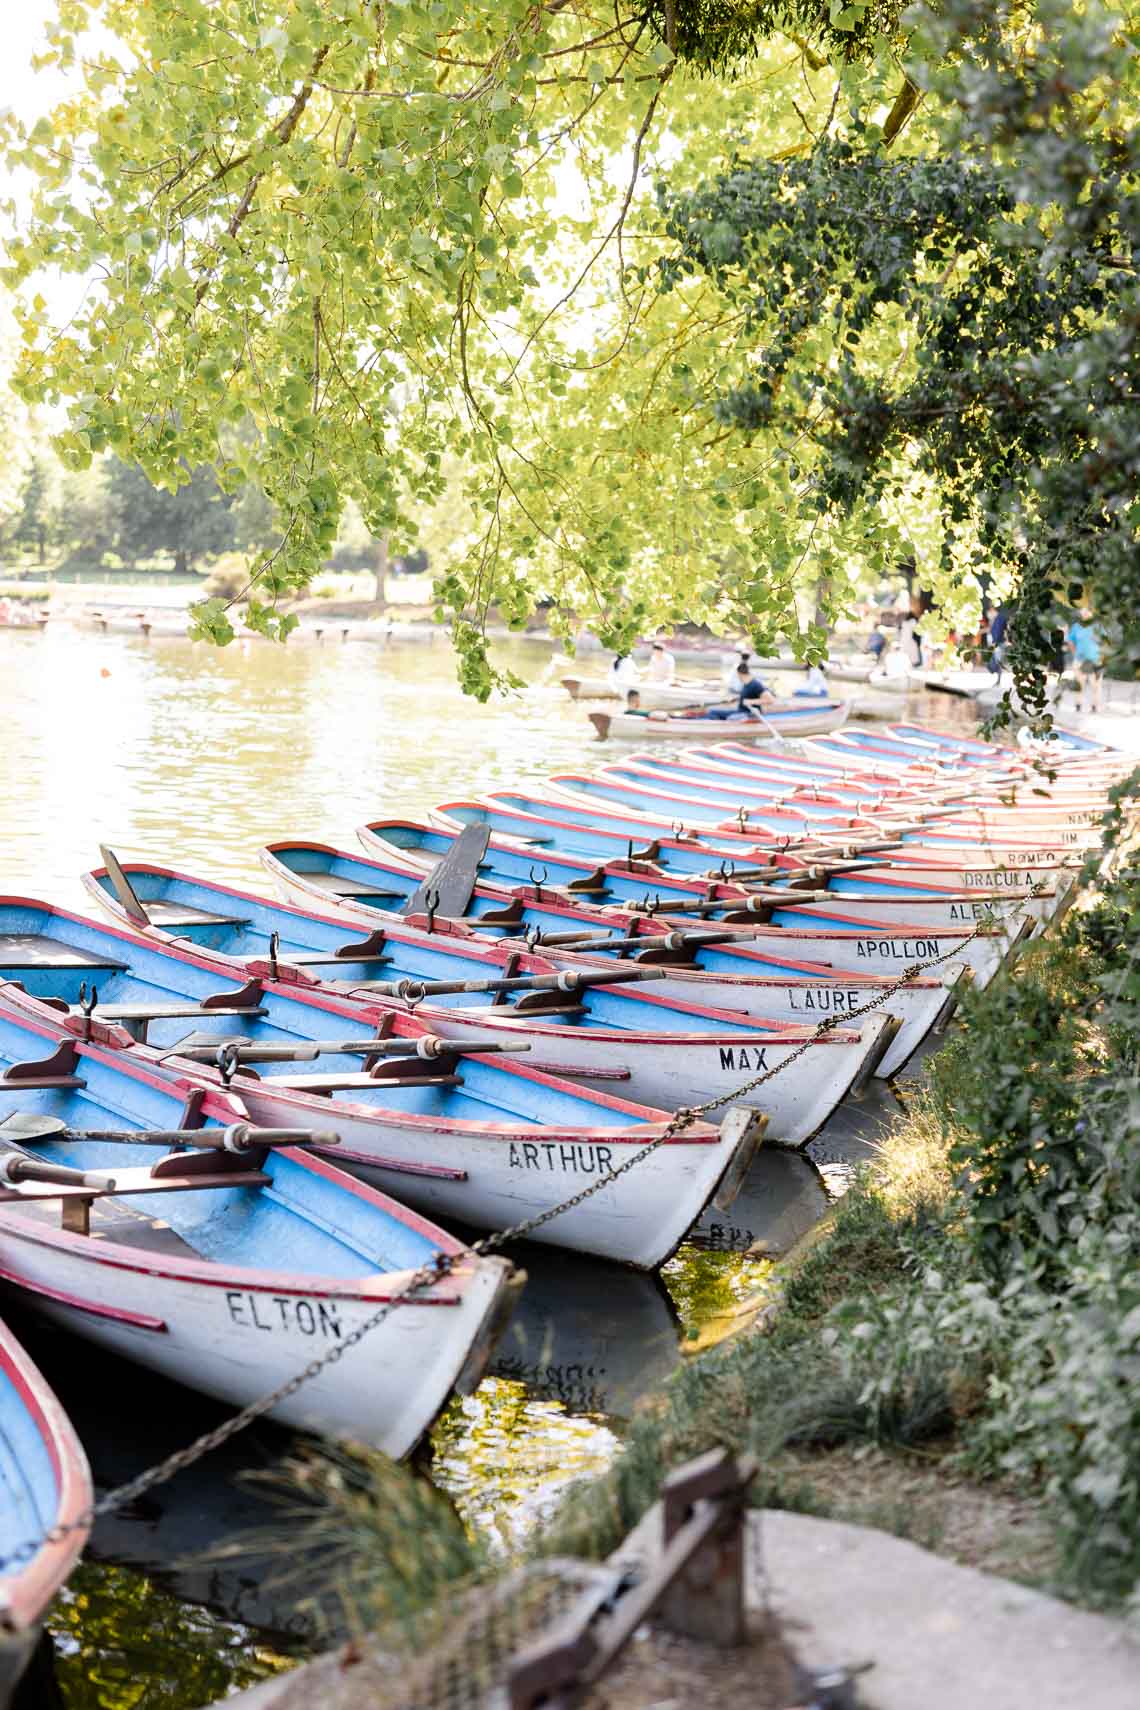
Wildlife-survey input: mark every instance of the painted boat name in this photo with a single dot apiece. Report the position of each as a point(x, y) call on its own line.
point(572, 1158)
point(283, 1313)
point(900, 951)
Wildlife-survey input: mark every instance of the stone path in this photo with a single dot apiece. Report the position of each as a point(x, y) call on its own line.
point(940, 1636)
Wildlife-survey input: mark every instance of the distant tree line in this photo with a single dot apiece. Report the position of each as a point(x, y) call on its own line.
point(111, 515)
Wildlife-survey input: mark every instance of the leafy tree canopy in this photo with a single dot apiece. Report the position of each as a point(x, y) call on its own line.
point(404, 236)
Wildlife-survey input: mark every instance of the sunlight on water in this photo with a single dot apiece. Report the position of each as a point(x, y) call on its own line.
point(195, 756)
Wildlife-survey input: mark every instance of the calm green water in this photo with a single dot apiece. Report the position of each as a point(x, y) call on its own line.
point(196, 757)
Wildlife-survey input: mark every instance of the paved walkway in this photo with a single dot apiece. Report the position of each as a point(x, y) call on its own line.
point(941, 1637)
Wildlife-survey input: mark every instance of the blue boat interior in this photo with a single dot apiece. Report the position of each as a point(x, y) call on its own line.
point(574, 829)
point(29, 1487)
point(657, 798)
point(765, 788)
point(324, 1228)
point(143, 976)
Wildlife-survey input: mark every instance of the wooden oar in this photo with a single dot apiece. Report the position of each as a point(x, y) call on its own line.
point(415, 990)
point(640, 941)
point(27, 1129)
point(16, 1168)
point(429, 1046)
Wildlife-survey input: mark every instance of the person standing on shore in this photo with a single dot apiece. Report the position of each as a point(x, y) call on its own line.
point(1084, 639)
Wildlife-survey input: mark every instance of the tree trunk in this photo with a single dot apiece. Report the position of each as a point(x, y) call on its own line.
point(181, 561)
point(380, 570)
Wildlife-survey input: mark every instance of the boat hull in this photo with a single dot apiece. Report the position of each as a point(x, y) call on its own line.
point(45, 1483)
point(237, 1336)
point(508, 1173)
point(631, 727)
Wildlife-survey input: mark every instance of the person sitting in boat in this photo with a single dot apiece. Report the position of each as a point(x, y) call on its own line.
point(751, 695)
point(623, 673)
point(633, 701)
point(662, 664)
point(816, 685)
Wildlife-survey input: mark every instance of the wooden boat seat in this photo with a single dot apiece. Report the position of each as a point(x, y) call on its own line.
point(349, 1082)
point(161, 1011)
point(336, 886)
point(35, 950)
point(182, 914)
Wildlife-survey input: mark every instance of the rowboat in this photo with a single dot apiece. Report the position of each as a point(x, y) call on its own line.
point(566, 826)
point(677, 727)
point(613, 878)
point(302, 871)
point(450, 1126)
point(45, 1487)
point(811, 812)
point(849, 670)
point(655, 697)
point(752, 982)
point(227, 1269)
point(901, 897)
point(584, 1025)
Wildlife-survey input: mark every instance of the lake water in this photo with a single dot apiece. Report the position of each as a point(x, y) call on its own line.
point(195, 757)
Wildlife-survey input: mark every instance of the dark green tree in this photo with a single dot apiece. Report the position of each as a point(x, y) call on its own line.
point(979, 307)
point(35, 524)
point(192, 524)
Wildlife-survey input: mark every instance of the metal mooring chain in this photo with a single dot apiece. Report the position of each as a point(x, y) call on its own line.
point(439, 1267)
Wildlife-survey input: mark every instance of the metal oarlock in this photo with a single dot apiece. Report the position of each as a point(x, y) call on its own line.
point(538, 879)
point(87, 1008)
point(274, 947)
point(431, 908)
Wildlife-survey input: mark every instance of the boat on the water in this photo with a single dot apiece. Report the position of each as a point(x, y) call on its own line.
point(707, 968)
point(813, 718)
point(456, 1123)
point(314, 874)
point(230, 1264)
point(45, 1489)
point(655, 697)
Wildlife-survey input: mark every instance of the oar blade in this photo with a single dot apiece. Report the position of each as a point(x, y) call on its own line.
point(25, 1127)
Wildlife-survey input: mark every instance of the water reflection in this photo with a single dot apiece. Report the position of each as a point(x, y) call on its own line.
point(782, 1197)
point(176, 749)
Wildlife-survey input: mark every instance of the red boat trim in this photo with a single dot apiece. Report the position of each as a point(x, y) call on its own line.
point(136, 1320)
point(29, 1589)
point(197, 1273)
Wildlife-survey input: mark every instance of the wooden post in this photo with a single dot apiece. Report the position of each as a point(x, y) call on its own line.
point(706, 1598)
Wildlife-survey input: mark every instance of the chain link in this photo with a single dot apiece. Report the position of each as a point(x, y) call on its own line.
point(439, 1267)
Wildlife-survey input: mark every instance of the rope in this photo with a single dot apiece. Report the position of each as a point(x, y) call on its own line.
point(438, 1268)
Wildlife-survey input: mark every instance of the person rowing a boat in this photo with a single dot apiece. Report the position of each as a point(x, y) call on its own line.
point(751, 696)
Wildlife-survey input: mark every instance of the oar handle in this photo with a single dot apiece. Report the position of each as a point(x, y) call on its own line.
point(17, 1168)
point(238, 1137)
point(414, 990)
point(428, 1045)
